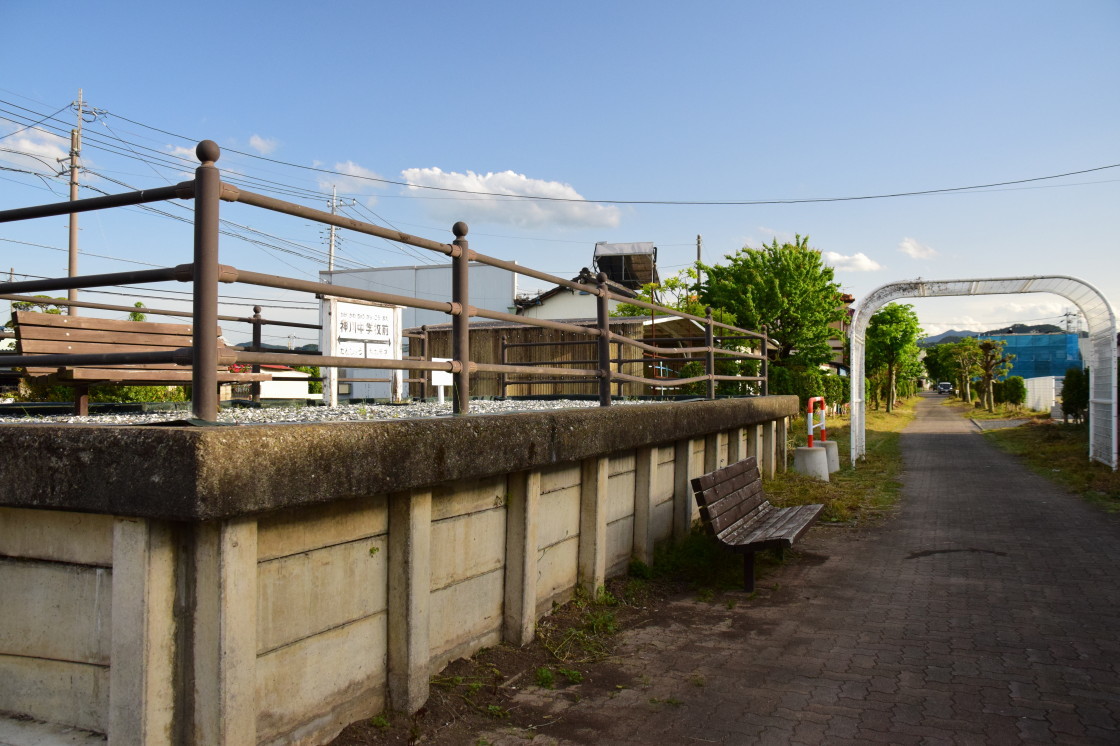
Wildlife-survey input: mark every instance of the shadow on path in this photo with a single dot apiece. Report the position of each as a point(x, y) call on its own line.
point(985, 610)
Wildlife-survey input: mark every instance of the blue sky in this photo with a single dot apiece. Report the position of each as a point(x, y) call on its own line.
point(626, 101)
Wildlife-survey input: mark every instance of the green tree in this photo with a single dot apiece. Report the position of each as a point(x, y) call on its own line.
point(993, 364)
point(939, 363)
point(1015, 391)
point(965, 356)
point(785, 287)
point(137, 315)
point(677, 292)
point(892, 347)
point(42, 306)
point(1075, 394)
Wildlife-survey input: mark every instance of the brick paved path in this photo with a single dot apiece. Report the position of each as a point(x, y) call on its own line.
point(986, 611)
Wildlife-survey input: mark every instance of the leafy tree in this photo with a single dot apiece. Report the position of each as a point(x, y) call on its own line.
point(677, 292)
point(1015, 391)
point(939, 363)
point(1075, 394)
point(892, 347)
point(137, 315)
point(993, 364)
point(42, 306)
point(785, 287)
point(965, 356)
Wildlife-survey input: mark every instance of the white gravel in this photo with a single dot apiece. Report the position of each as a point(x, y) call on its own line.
point(343, 413)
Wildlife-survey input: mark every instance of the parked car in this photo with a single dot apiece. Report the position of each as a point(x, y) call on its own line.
point(944, 388)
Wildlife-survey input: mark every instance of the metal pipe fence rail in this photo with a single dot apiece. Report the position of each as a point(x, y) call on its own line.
point(205, 272)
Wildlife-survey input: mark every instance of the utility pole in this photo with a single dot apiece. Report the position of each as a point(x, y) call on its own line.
point(75, 165)
point(334, 203)
point(699, 247)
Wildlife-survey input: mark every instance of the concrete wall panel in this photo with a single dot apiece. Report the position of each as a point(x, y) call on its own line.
point(620, 496)
point(620, 544)
point(81, 538)
point(311, 592)
point(461, 498)
point(55, 611)
point(297, 530)
point(56, 691)
point(464, 613)
point(468, 546)
point(559, 477)
point(558, 568)
point(339, 675)
point(559, 516)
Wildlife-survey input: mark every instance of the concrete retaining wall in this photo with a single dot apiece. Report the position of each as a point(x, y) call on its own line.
point(155, 592)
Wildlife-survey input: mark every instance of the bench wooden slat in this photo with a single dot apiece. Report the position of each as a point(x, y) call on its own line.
point(86, 336)
point(44, 333)
point(734, 509)
point(34, 318)
point(180, 375)
point(63, 347)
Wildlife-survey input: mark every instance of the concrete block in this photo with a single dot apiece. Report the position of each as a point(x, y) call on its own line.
point(832, 448)
point(467, 496)
point(812, 462)
point(320, 684)
point(620, 543)
point(621, 463)
point(559, 516)
point(558, 566)
point(56, 611)
point(463, 614)
point(58, 536)
point(296, 530)
point(620, 496)
point(467, 546)
point(308, 593)
point(555, 478)
point(62, 692)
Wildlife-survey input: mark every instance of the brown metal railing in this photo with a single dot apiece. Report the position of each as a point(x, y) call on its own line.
point(205, 273)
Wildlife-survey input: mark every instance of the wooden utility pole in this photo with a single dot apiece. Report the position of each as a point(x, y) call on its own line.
point(699, 247)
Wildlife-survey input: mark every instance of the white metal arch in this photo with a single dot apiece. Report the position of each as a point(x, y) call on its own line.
point(1092, 304)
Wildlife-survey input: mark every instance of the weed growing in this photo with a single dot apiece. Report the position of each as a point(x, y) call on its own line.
point(1060, 452)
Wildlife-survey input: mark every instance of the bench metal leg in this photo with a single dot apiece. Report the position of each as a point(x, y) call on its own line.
point(748, 572)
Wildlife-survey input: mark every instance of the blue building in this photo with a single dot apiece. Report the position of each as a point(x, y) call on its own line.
point(1039, 355)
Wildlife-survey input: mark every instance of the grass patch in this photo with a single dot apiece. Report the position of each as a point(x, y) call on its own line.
point(852, 494)
point(1060, 452)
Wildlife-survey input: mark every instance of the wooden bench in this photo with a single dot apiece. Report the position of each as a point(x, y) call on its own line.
point(735, 511)
point(56, 334)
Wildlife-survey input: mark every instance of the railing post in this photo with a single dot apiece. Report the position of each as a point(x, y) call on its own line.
point(207, 201)
point(460, 324)
point(602, 306)
point(255, 386)
point(765, 362)
point(502, 360)
point(426, 355)
point(710, 354)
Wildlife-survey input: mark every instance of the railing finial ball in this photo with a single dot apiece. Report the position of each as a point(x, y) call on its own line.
point(208, 151)
point(460, 229)
point(601, 277)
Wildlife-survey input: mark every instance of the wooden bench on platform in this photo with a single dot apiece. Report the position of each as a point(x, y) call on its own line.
point(736, 513)
point(56, 334)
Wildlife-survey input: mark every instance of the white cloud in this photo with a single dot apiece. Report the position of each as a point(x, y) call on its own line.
point(43, 151)
point(570, 209)
point(263, 145)
point(915, 250)
point(856, 263)
point(351, 179)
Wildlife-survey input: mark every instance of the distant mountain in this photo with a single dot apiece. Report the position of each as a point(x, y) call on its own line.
point(265, 346)
point(955, 335)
